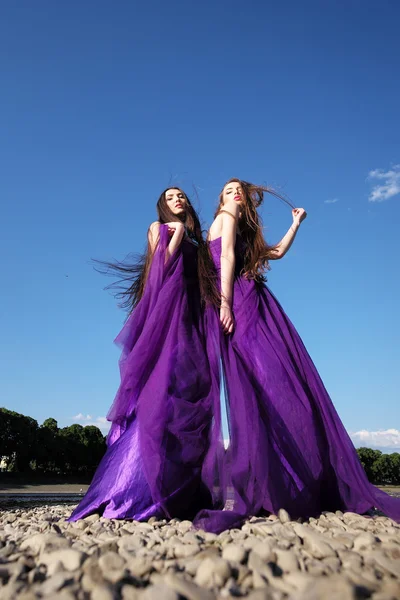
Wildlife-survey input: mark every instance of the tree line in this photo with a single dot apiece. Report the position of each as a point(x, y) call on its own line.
point(381, 469)
point(26, 446)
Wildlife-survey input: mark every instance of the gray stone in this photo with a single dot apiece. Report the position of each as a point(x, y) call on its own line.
point(332, 588)
point(260, 594)
point(361, 580)
point(103, 592)
point(313, 542)
point(265, 551)
point(332, 563)
point(186, 550)
point(70, 559)
point(158, 591)
point(376, 557)
point(234, 553)
point(185, 526)
point(390, 590)
point(213, 572)
point(128, 592)
point(65, 594)
point(91, 519)
point(56, 583)
point(298, 580)
point(186, 588)
point(44, 542)
point(364, 540)
point(139, 566)
point(286, 560)
point(283, 516)
point(27, 595)
point(111, 561)
point(129, 544)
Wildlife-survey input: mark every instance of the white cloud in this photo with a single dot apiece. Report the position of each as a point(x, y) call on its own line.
point(389, 185)
point(385, 438)
point(100, 422)
point(82, 417)
point(332, 201)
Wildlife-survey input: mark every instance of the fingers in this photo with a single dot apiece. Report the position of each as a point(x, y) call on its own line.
point(227, 323)
point(299, 214)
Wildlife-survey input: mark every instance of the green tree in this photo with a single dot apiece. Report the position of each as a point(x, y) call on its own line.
point(51, 424)
point(95, 446)
point(48, 446)
point(368, 457)
point(383, 469)
point(18, 439)
point(71, 441)
point(395, 457)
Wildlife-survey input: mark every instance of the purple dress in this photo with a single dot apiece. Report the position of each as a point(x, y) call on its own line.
point(288, 448)
point(161, 415)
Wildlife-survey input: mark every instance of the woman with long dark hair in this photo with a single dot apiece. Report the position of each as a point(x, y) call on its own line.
point(288, 448)
point(161, 415)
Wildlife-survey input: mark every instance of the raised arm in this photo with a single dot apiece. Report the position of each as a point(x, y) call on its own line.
point(279, 251)
point(176, 231)
point(229, 216)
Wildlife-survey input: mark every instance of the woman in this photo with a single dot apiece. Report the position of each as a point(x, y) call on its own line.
point(162, 411)
point(288, 448)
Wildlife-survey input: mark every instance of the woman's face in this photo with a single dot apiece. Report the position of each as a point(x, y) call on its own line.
point(176, 201)
point(233, 191)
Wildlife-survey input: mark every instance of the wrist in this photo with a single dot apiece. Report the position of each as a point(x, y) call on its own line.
point(226, 304)
point(179, 230)
point(294, 226)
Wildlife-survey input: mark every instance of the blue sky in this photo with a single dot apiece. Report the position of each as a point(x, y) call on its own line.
point(104, 104)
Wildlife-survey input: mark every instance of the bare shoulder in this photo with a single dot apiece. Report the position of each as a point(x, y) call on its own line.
point(226, 219)
point(155, 227)
point(230, 209)
point(153, 234)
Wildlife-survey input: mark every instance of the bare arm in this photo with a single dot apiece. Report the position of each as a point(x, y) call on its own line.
point(177, 230)
point(230, 215)
point(153, 235)
point(282, 247)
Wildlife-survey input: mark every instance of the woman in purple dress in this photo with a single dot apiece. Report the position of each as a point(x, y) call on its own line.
point(162, 412)
point(288, 448)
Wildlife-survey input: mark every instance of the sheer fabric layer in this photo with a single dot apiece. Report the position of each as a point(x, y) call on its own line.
point(288, 446)
point(161, 416)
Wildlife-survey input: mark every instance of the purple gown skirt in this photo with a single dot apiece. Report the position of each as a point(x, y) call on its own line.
point(161, 416)
point(288, 447)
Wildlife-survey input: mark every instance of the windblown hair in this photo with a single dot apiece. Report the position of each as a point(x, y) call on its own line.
point(257, 252)
point(133, 272)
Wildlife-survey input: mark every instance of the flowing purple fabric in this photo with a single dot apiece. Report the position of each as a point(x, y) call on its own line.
point(161, 416)
point(288, 448)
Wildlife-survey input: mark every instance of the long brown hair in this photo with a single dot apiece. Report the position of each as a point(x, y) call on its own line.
point(133, 273)
point(257, 252)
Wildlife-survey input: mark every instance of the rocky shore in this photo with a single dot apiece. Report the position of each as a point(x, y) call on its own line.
point(337, 557)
